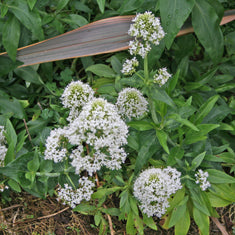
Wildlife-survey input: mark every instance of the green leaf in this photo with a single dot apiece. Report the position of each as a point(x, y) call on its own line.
point(149, 222)
point(29, 75)
point(21, 140)
point(31, 3)
point(230, 43)
point(178, 212)
point(75, 20)
point(31, 20)
point(162, 138)
point(148, 148)
point(4, 10)
point(158, 94)
point(224, 191)
point(11, 136)
point(103, 192)
point(34, 164)
point(182, 225)
point(7, 65)
point(139, 224)
point(183, 121)
point(130, 229)
point(11, 36)
point(85, 209)
point(205, 109)
point(173, 82)
point(61, 4)
point(140, 125)
point(101, 4)
point(14, 185)
point(173, 15)
point(111, 211)
point(10, 155)
point(219, 177)
point(217, 201)
point(101, 70)
point(12, 106)
point(202, 221)
point(197, 161)
point(206, 25)
point(46, 166)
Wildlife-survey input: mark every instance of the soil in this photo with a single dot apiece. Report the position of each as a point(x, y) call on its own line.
point(26, 214)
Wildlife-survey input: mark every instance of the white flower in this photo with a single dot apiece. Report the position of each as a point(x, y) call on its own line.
point(3, 148)
point(161, 77)
point(99, 134)
point(201, 178)
point(73, 197)
point(3, 187)
point(56, 144)
point(131, 103)
point(75, 96)
point(154, 187)
point(146, 28)
point(129, 66)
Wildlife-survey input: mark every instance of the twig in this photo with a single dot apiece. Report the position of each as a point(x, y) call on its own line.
point(27, 130)
point(39, 105)
point(10, 207)
point(43, 217)
point(51, 215)
point(112, 232)
point(220, 226)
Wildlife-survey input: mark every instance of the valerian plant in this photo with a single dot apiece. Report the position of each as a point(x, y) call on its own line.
point(139, 147)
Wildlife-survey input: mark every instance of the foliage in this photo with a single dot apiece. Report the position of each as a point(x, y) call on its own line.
point(190, 124)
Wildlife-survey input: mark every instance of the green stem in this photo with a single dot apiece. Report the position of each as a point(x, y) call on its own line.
point(146, 70)
point(139, 76)
point(71, 182)
point(47, 174)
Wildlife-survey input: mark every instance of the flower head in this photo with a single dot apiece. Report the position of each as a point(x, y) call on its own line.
point(3, 148)
point(129, 66)
point(74, 197)
point(201, 178)
point(161, 77)
point(75, 96)
point(154, 187)
point(131, 103)
point(146, 28)
point(101, 130)
point(56, 145)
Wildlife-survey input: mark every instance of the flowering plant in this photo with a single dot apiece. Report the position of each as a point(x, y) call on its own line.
point(137, 137)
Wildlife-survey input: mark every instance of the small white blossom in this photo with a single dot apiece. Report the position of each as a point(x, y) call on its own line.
point(139, 48)
point(146, 28)
point(161, 77)
point(73, 197)
point(99, 134)
point(75, 96)
point(131, 103)
point(129, 66)
point(56, 145)
point(201, 178)
point(154, 187)
point(3, 148)
point(3, 187)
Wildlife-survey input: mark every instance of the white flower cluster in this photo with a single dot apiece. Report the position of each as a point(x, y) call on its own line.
point(131, 103)
point(129, 66)
point(146, 29)
point(161, 77)
point(74, 197)
point(56, 145)
point(75, 96)
point(101, 128)
point(3, 148)
point(93, 139)
point(201, 178)
point(154, 187)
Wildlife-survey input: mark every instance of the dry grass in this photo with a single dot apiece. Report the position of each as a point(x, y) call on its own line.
point(26, 214)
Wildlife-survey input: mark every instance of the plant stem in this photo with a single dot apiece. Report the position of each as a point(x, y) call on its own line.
point(146, 71)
